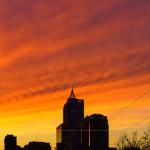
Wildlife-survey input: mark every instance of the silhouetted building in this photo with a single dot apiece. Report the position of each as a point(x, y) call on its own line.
point(69, 133)
point(85, 134)
point(59, 137)
point(37, 146)
point(73, 115)
point(112, 148)
point(59, 146)
point(73, 111)
point(79, 133)
point(95, 133)
point(19, 148)
point(10, 142)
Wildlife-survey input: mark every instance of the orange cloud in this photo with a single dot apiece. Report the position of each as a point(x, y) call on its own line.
point(45, 46)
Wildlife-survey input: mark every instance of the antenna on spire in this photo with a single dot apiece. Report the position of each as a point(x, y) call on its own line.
point(72, 95)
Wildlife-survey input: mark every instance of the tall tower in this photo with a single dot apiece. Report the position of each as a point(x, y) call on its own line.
point(73, 115)
point(73, 111)
point(10, 142)
point(95, 132)
point(69, 133)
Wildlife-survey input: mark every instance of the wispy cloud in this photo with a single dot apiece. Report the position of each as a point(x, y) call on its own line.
point(45, 46)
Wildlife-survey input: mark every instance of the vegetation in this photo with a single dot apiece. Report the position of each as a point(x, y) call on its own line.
point(133, 142)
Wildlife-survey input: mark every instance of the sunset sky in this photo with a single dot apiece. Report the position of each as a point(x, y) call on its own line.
point(102, 47)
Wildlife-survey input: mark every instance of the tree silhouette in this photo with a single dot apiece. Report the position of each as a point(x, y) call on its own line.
point(129, 142)
point(145, 140)
point(132, 142)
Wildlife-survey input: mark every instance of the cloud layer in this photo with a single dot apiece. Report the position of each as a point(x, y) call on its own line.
point(102, 47)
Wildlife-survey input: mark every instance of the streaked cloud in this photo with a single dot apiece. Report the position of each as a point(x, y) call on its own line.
point(102, 47)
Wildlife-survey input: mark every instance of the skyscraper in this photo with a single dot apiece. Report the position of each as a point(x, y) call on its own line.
point(85, 134)
point(73, 111)
point(95, 133)
point(79, 133)
point(59, 137)
point(69, 133)
point(10, 142)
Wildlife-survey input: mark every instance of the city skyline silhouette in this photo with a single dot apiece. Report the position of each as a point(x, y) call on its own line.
point(75, 133)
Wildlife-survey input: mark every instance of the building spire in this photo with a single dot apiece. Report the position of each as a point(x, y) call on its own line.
point(72, 95)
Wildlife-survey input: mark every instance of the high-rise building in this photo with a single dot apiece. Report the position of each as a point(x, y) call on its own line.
point(73, 111)
point(85, 134)
point(95, 132)
point(73, 115)
point(69, 133)
point(59, 137)
point(10, 142)
point(64, 137)
point(79, 133)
